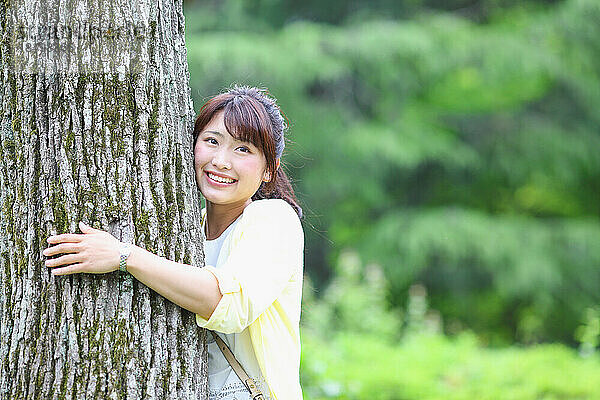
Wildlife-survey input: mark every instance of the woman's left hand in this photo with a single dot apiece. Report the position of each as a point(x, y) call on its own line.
point(95, 251)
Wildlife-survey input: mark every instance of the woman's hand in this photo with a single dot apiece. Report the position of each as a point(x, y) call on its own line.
point(94, 251)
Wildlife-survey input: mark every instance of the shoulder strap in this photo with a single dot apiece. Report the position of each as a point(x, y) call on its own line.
point(255, 394)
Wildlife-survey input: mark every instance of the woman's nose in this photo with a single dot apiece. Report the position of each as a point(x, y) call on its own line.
point(221, 160)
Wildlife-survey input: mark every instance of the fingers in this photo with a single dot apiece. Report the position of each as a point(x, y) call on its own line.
point(70, 269)
point(62, 248)
point(62, 260)
point(73, 237)
point(65, 237)
point(86, 228)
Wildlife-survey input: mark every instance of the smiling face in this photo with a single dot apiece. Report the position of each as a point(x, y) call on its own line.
point(228, 171)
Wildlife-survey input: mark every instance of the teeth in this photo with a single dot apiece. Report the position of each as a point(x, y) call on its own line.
point(219, 179)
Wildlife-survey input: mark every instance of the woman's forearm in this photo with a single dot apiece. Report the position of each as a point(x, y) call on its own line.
point(95, 251)
point(194, 289)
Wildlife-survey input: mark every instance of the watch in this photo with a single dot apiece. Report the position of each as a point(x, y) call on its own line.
point(124, 255)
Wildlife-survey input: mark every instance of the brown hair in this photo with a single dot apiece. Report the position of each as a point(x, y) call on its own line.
point(251, 115)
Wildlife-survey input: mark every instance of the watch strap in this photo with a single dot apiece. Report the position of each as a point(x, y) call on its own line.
point(124, 252)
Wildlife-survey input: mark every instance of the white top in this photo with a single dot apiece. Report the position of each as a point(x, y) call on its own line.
point(223, 383)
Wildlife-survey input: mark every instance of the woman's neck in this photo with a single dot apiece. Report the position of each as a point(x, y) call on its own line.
point(220, 216)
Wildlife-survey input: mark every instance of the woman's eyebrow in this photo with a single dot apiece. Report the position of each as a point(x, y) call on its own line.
point(214, 132)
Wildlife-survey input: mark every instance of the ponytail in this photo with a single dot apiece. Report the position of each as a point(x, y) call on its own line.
point(279, 188)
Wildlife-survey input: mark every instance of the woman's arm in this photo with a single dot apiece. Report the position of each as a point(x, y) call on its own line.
point(194, 289)
point(97, 251)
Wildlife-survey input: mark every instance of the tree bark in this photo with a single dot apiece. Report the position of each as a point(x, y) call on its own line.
point(96, 127)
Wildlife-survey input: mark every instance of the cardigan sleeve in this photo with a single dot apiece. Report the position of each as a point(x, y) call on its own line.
point(265, 257)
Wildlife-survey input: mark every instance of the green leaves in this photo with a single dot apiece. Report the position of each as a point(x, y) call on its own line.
point(542, 268)
point(442, 147)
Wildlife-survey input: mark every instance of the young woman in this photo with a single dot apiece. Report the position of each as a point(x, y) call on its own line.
point(250, 290)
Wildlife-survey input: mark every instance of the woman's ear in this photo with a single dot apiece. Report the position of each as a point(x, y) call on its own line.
point(267, 176)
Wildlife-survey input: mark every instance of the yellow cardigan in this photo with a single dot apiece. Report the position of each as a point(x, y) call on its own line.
point(259, 270)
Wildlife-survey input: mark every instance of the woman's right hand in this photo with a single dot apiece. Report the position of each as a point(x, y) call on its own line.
point(95, 251)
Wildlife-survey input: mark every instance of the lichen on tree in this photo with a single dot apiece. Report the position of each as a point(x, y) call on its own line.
point(96, 126)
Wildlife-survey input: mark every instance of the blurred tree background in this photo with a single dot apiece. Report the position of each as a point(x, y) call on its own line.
point(447, 157)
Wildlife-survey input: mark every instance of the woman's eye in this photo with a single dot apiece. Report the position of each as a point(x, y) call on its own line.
point(244, 149)
point(211, 141)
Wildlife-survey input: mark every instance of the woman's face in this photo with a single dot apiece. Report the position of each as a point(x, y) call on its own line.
point(228, 171)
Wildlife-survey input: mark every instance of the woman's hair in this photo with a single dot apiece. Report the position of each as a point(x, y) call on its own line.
point(251, 115)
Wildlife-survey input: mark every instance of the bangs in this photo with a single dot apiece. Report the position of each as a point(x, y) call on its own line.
point(247, 121)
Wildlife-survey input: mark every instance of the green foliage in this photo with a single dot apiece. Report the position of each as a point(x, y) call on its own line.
point(361, 366)
point(351, 350)
point(355, 301)
point(269, 14)
point(456, 154)
point(588, 334)
point(544, 271)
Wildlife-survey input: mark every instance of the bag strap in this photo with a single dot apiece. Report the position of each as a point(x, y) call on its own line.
point(255, 393)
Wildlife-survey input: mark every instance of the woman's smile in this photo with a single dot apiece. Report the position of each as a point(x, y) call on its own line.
point(220, 179)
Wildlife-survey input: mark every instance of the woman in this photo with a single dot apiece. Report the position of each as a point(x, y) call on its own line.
point(250, 290)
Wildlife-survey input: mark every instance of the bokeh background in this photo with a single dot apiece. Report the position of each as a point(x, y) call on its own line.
point(447, 155)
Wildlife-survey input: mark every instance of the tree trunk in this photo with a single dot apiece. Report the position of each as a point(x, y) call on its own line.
point(95, 126)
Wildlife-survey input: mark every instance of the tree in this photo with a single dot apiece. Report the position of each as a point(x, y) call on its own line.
point(95, 126)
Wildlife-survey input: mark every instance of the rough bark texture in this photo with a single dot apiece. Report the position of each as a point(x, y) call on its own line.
point(95, 126)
